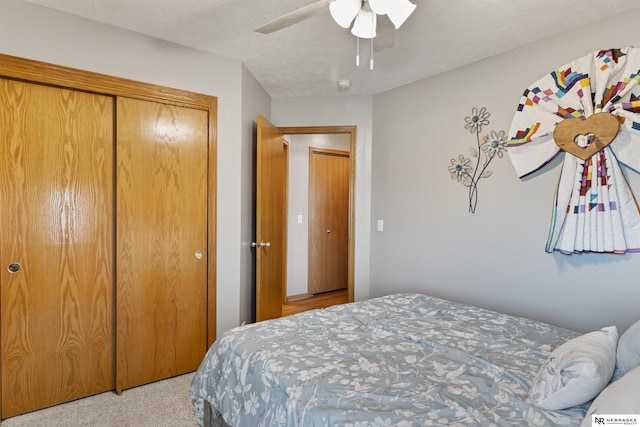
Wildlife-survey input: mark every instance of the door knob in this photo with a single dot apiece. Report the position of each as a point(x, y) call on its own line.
point(199, 255)
point(260, 245)
point(14, 267)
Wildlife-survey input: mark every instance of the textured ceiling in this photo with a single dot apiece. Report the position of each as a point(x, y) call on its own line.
point(307, 59)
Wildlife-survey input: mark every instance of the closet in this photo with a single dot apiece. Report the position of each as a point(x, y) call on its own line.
point(107, 233)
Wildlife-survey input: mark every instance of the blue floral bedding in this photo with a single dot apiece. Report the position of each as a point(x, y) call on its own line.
point(399, 360)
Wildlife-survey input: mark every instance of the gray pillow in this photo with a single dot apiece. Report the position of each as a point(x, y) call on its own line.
point(628, 355)
point(620, 397)
point(577, 371)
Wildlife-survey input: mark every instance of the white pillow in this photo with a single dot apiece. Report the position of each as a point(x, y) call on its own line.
point(576, 371)
point(620, 397)
point(628, 356)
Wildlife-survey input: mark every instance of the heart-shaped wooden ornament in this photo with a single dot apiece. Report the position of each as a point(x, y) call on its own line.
point(600, 128)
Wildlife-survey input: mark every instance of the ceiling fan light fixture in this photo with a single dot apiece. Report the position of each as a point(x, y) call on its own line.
point(343, 11)
point(398, 11)
point(381, 7)
point(364, 26)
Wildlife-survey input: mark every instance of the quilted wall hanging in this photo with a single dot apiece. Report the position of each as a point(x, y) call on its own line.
point(589, 109)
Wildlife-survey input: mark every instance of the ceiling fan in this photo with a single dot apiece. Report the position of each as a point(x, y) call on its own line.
point(370, 19)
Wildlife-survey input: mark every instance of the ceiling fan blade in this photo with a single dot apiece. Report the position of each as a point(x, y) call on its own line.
point(386, 32)
point(294, 17)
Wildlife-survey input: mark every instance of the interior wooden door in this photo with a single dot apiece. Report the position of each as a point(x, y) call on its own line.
point(328, 220)
point(271, 220)
point(56, 245)
point(161, 201)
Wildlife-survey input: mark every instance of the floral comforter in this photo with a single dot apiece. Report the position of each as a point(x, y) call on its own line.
point(399, 360)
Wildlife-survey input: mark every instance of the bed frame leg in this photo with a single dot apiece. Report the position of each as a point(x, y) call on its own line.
point(207, 420)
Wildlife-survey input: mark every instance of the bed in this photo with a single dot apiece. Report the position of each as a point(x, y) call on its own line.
point(401, 360)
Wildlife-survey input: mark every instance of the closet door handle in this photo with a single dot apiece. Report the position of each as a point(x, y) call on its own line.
point(14, 267)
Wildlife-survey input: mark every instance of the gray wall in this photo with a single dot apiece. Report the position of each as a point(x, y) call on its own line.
point(494, 258)
point(255, 101)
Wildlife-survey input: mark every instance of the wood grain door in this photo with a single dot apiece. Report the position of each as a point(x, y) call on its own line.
point(328, 220)
point(56, 228)
point(161, 241)
point(271, 220)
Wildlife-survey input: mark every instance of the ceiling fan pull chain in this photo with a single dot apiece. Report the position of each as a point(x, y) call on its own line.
point(373, 16)
point(373, 23)
point(358, 44)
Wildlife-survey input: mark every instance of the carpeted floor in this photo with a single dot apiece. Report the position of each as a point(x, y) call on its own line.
point(161, 404)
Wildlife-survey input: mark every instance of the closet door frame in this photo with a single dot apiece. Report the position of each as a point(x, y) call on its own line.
point(55, 75)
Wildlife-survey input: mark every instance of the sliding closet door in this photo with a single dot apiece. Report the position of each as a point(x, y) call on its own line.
point(56, 245)
point(161, 222)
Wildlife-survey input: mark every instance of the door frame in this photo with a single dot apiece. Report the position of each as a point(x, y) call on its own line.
point(351, 131)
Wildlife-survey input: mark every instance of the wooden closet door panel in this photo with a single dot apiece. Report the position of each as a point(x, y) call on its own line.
point(56, 220)
point(161, 224)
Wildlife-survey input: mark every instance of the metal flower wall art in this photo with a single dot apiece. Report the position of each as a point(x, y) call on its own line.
point(492, 145)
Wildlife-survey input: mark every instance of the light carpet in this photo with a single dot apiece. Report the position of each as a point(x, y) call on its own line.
point(161, 404)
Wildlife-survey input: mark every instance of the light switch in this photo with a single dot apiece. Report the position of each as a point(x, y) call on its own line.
point(299, 219)
point(380, 225)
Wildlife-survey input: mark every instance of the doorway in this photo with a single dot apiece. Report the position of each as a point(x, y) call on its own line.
point(271, 281)
point(318, 276)
point(318, 207)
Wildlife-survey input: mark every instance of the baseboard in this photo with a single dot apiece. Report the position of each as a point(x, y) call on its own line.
point(297, 297)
